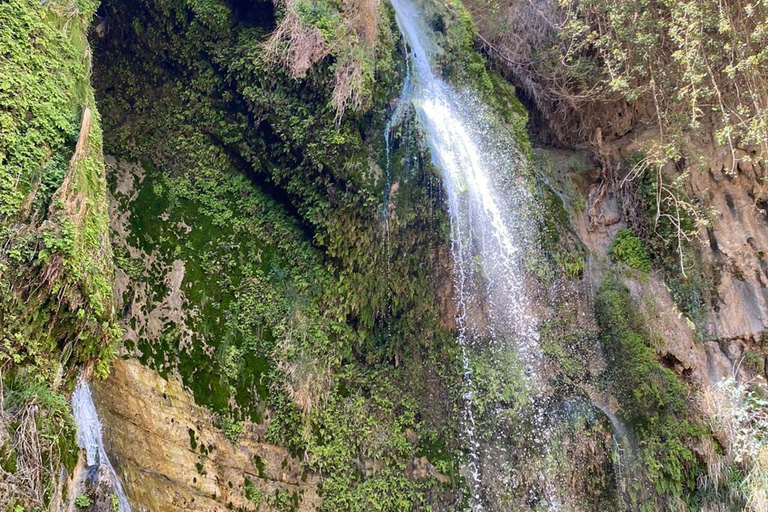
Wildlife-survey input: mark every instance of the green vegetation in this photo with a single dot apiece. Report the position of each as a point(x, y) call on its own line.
point(311, 30)
point(569, 349)
point(253, 493)
point(653, 403)
point(56, 270)
point(627, 248)
point(53, 215)
point(561, 253)
point(669, 222)
point(260, 210)
point(38, 441)
point(689, 62)
point(233, 430)
point(754, 360)
point(83, 501)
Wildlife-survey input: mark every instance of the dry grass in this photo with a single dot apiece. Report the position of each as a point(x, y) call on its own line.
point(295, 44)
point(738, 416)
point(299, 45)
point(37, 456)
point(308, 379)
point(308, 382)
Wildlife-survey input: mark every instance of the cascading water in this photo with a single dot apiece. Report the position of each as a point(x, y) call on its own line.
point(488, 196)
point(89, 438)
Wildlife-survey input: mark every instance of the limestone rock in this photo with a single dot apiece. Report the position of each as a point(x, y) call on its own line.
point(171, 457)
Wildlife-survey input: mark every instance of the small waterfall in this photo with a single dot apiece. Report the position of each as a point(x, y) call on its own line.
point(486, 183)
point(393, 121)
point(89, 438)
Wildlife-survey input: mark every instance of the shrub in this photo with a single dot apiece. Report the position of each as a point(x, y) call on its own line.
point(234, 430)
point(738, 412)
point(627, 248)
point(584, 61)
point(83, 501)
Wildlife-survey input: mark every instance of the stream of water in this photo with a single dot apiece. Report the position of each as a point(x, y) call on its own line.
point(89, 438)
point(487, 198)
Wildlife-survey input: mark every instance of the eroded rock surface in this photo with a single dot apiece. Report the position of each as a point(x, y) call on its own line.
point(172, 457)
point(732, 250)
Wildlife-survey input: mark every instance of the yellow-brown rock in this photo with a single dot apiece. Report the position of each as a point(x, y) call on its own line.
point(171, 456)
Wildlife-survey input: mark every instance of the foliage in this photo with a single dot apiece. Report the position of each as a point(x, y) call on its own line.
point(499, 388)
point(738, 412)
point(689, 61)
point(38, 433)
point(562, 254)
point(651, 396)
point(234, 430)
point(627, 248)
point(83, 501)
point(669, 222)
point(565, 346)
point(311, 30)
point(252, 493)
point(56, 270)
point(53, 216)
point(298, 307)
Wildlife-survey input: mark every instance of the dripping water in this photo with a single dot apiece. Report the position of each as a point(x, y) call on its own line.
point(393, 121)
point(89, 438)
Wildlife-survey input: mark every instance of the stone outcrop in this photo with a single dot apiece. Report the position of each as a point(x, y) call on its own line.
point(172, 457)
point(733, 248)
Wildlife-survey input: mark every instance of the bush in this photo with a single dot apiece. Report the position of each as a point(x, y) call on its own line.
point(627, 248)
point(583, 61)
point(83, 501)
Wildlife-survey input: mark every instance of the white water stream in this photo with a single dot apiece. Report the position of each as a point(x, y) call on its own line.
point(487, 198)
point(89, 438)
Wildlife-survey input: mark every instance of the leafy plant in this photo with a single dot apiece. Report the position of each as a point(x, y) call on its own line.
point(653, 399)
point(627, 248)
point(252, 493)
point(83, 501)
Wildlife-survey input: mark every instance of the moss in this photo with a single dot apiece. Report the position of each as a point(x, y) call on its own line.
point(692, 284)
point(287, 270)
point(754, 360)
point(470, 71)
point(252, 493)
point(56, 269)
point(8, 458)
point(53, 214)
point(561, 252)
point(569, 350)
point(652, 398)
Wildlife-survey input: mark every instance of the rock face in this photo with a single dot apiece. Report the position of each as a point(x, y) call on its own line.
point(733, 249)
point(171, 457)
point(733, 189)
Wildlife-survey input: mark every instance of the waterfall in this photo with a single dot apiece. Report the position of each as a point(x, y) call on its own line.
point(89, 438)
point(479, 174)
point(483, 174)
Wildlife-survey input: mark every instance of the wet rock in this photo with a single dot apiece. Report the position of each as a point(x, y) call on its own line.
point(100, 489)
point(424, 470)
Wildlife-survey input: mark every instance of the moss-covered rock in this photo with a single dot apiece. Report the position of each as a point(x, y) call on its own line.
point(56, 269)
